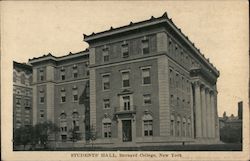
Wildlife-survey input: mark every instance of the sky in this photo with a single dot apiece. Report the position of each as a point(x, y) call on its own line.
point(219, 29)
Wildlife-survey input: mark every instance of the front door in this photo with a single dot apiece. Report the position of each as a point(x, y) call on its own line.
point(126, 130)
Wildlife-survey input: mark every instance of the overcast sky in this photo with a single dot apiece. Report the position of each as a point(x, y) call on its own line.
point(219, 29)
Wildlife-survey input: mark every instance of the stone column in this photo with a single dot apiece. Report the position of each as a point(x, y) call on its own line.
point(208, 109)
point(204, 112)
point(198, 119)
point(212, 115)
point(217, 129)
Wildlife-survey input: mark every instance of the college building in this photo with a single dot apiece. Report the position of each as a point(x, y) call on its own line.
point(143, 83)
point(22, 95)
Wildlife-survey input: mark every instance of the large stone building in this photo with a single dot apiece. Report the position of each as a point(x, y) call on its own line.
point(60, 89)
point(148, 83)
point(22, 95)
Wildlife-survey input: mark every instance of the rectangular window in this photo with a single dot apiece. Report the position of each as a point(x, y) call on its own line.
point(106, 82)
point(75, 94)
point(148, 128)
point(41, 75)
point(63, 97)
point(145, 46)
point(172, 128)
point(172, 99)
point(41, 96)
point(184, 129)
point(18, 101)
point(41, 99)
point(126, 103)
point(41, 113)
point(106, 104)
point(146, 76)
point(178, 128)
point(125, 51)
point(107, 130)
point(75, 73)
point(105, 53)
point(147, 99)
point(75, 97)
point(62, 75)
point(125, 79)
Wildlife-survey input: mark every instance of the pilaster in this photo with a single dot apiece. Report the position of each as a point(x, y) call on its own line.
point(204, 113)
point(198, 110)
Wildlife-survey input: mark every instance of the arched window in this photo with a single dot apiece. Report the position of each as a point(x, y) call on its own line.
point(148, 125)
point(172, 125)
point(184, 128)
point(75, 119)
point(63, 126)
point(106, 127)
point(178, 126)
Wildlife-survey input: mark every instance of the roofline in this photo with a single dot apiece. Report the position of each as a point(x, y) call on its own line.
point(60, 58)
point(152, 21)
point(22, 65)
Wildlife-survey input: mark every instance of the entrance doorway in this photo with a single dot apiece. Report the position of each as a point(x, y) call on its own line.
point(126, 130)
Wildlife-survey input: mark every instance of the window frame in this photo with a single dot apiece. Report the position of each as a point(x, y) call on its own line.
point(128, 80)
point(103, 83)
point(143, 69)
point(144, 99)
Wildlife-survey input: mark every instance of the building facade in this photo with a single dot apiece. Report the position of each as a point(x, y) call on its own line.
point(138, 84)
point(22, 95)
point(149, 83)
point(60, 87)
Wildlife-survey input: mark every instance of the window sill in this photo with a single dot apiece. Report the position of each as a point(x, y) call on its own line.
point(146, 84)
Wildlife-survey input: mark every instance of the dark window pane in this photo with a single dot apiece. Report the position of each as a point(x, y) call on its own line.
point(125, 83)
point(146, 80)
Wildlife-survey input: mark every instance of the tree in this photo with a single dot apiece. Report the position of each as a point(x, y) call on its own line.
point(23, 136)
point(42, 131)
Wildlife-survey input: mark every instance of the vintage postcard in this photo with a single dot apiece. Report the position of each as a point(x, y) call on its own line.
point(129, 80)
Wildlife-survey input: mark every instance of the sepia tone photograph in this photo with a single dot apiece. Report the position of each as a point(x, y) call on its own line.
point(125, 80)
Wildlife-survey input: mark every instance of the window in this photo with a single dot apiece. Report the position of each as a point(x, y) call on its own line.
point(63, 123)
point(41, 96)
point(125, 52)
point(75, 73)
point(62, 75)
point(105, 82)
point(171, 77)
point(126, 103)
point(184, 127)
point(106, 104)
point(75, 117)
point(172, 125)
point(147, 125)
point(125, 79)
point(75, 94)
point(178, 127)
point(178, 101)
point(145, 46)
point(172, 99)
point(188, 128)
point(18, 101)
point(146, 76)
point(106, 127)
point(41, 113)
point(63, 95)
point(148, 128)
point(177, 80)
point(27, 103)
point(41, 75)
point(105, 52)
point(147, 99)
